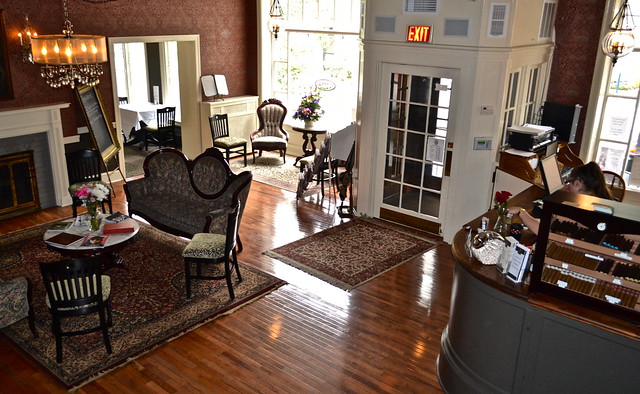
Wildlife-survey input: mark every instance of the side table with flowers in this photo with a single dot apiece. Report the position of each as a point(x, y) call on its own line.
point(309, 109)
point(502, 209)
point(92, 194)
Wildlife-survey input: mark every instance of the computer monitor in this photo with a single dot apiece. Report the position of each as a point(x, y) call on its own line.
point(551, 174)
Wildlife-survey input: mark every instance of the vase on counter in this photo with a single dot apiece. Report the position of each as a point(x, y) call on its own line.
point(502, 222)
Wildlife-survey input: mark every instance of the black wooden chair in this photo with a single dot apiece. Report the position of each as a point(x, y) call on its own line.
point(123, 100)
point(163, 131)
point(211, 248)
point(76, 287)
point(233, 146)
point(84, 166)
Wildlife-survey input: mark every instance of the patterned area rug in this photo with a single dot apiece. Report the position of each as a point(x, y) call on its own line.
point(269, 169)
point(352, 253)
point(148, 302)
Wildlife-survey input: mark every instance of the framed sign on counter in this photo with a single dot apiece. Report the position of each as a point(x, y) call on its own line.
point(102, 132)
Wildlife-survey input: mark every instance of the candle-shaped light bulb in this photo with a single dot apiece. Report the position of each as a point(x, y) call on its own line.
point(83, 47)
point(56, 49)
point(20, 37)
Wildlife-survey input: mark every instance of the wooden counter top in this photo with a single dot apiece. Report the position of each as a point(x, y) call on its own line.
point(490, 275)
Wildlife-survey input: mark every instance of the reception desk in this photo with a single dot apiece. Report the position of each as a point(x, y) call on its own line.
point(501, 338)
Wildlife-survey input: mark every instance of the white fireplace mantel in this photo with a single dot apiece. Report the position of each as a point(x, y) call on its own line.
point(42, 119)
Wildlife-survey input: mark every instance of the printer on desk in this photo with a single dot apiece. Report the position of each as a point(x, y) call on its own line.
point(530, 137)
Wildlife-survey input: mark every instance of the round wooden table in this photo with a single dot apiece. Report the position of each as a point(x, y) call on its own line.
point(109, 254)
point(305, 136)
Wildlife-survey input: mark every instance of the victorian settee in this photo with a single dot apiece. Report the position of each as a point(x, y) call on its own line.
point(181, 196)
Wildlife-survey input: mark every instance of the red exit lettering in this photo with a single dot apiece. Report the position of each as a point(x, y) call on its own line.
point(419, 33)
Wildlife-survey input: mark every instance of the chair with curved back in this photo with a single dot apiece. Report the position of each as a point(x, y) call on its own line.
point(616, 183)
point(84, 166)
point(76, 287)
point(270, 136)
point(219, 125)
point(163, 130)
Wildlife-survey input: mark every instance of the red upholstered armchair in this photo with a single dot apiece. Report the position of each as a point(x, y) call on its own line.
point(271, 135)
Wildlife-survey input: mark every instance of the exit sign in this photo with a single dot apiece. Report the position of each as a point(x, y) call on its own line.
point(419, 33)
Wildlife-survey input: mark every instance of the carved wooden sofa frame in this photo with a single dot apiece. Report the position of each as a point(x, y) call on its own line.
point(177, 195)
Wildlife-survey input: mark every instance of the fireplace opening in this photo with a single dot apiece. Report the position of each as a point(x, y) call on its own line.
point(18, 185)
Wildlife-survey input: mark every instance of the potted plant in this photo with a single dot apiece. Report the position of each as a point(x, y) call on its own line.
point(309, 109)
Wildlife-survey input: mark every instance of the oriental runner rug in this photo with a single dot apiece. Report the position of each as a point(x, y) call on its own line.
point(352, 253)
point(148, 302)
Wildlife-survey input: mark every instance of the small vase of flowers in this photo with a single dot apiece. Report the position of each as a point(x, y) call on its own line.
point(92, 194)
point(500, 205)
point(309, 109)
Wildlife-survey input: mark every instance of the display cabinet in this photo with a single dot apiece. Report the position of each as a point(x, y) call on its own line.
point(588, 252)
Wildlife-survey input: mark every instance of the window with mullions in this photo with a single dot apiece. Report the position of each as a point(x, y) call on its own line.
point(618, 131)
point(320, 42)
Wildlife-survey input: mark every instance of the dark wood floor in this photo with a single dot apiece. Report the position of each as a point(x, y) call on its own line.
point(307, 336)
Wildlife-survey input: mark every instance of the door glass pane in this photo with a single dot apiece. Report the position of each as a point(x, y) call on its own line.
point(391, 194)
point(410, 198)
point(415, 146)
point(430, 203)
point(419, 89)
point(393, 168)
point(417, 118)
point(397, 114)
point(412, 172)
point(395, 142)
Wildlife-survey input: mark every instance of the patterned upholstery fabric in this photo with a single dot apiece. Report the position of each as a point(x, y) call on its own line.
point(229, 142)
point(176, 194)
point(206, 246)
point(14, 305)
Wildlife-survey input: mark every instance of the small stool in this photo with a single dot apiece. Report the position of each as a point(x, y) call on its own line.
point(208, 248)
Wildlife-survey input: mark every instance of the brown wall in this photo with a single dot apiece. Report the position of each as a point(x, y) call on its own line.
point(228, 42)
point(577, 43)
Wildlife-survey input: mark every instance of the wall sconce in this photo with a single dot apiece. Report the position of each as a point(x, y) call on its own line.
point(620, 41)
point(275, 18)
point(25, 40)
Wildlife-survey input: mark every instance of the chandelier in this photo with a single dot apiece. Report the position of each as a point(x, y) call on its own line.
point(68, 59)
point(619, 41)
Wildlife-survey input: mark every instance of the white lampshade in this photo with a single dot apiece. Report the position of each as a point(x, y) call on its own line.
point(60, 50)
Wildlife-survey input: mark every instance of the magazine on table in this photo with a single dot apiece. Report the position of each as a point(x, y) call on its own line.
point(93, 240)
point(59, 226)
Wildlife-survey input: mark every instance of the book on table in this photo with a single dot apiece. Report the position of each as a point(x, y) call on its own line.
point(64, 238)
point(93, 240)
point(119, 227)
point(116, 217)
point(59, 226)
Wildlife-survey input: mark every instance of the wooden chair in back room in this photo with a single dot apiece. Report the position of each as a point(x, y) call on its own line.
point(271, 135)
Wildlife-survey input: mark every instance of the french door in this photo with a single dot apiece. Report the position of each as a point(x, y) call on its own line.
point(416, 132)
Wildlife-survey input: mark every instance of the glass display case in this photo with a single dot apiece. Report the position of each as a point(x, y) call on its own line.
point(588, 252)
